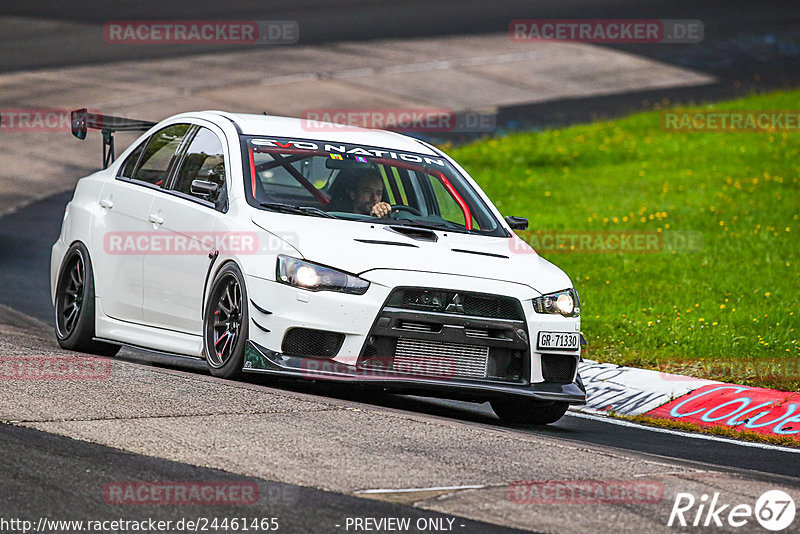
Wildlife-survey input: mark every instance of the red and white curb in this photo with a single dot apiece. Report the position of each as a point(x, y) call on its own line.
point(631, 391)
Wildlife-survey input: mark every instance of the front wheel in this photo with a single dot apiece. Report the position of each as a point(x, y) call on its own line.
point(75, 307)
point(225, 323)
point(528, 412)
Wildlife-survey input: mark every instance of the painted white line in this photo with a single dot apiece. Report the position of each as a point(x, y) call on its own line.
point(692, 435)
point(662, 473)
point(413, 490)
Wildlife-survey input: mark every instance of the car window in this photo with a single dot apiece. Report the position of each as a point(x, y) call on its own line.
point(423, 190)
point(204, 160)
point(445, 204)
point(126, 171)
point(158, 154)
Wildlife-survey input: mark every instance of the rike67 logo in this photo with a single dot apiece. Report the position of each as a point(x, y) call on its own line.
point(774, 510)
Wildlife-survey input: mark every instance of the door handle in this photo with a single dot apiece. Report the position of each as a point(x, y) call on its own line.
point(155, 219)
point(106, 203)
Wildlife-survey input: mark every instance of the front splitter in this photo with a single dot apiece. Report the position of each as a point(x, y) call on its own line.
point(264, 361)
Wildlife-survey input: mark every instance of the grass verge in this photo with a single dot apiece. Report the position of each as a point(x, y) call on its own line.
point(717, 430)
point(728, 297)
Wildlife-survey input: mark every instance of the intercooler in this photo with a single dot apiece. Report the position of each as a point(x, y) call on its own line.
point(420, 357)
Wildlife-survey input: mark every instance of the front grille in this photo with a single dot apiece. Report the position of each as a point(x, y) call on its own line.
point(312, 343)
point(416, 327)
point(457, 303)
point(476, 332)
point(558, 367)
point(445, 360)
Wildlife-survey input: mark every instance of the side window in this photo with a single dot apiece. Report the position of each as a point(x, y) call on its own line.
point(126, 171)
point(448, 207)
point(204, 160)
point(158, 154)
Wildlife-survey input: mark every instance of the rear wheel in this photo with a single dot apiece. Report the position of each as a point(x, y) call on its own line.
point(75, 306)
point(225, 323)
point(528, 412)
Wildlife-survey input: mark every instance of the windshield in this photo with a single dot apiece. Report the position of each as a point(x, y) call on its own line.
point(359, 183)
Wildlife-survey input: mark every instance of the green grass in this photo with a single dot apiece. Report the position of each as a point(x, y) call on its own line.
point(717, 430)
point(734, 299)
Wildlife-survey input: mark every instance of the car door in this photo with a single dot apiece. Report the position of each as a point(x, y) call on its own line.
point(174, 280)
point(119, 229)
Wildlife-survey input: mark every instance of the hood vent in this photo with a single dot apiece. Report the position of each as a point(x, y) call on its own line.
point(379, 242)
point(420, 234)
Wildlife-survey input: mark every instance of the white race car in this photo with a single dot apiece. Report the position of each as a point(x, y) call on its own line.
point(271, 245)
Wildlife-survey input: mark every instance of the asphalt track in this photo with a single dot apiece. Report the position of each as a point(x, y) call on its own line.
point(26, 235)
point(749, 46)
point(728, 24)
point(48, 476)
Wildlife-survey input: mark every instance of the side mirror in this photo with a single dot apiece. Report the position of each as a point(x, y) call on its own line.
point(203, 188)
point(517, 223)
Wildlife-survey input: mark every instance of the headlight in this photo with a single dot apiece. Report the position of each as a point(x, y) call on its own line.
point(307, 275)
point(564, 302)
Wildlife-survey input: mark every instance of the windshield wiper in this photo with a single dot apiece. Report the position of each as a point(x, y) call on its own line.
point(297, 210)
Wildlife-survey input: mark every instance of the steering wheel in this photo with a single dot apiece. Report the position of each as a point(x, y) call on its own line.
point(403, 207)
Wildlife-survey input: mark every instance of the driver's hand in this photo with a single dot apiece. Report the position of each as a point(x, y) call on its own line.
point(381, 209)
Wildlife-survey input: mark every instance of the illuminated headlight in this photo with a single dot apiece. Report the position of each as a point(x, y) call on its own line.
point(564, 302)
point(307, 275)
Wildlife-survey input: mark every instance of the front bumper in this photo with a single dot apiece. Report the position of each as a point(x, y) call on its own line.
point(264, 361)
point(376, 340)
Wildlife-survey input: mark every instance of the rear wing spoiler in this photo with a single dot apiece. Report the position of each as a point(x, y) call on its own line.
point(83, 120)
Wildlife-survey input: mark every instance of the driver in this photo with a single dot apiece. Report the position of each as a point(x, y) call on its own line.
point(365, 192)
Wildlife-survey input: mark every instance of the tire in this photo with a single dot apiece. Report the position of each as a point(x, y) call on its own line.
point(528, 412)
point(225, 323)
point(75, 306)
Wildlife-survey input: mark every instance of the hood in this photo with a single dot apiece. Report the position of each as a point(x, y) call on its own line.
point(359, 247)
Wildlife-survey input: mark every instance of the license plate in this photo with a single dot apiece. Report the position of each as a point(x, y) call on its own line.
point(559, 340)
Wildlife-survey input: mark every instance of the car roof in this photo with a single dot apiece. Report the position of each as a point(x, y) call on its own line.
point(277, 126)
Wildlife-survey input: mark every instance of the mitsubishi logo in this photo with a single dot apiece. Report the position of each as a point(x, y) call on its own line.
point(455, 305)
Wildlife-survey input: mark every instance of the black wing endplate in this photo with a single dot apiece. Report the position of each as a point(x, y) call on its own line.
point(83, 120)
